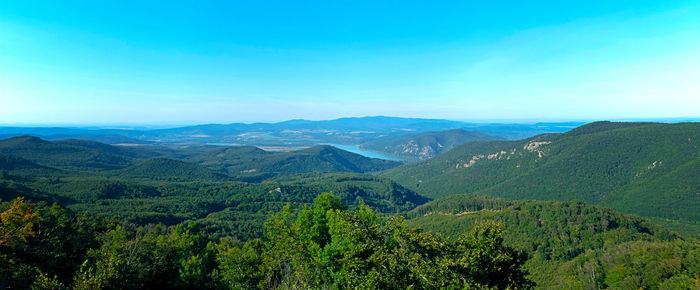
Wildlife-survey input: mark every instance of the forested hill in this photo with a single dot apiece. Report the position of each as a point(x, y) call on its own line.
point(252, 163)
point(210, 162)
point(648, 169)
point(569, 242)
point(78, 154)
point(426, 145)
point(70, 154)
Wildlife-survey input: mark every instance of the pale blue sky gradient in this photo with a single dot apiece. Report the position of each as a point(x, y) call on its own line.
point(120, 62)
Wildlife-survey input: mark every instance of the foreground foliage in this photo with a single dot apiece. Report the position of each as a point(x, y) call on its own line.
point(320, 246)
point(326, 246)
point(573, 245)
point(236, 209)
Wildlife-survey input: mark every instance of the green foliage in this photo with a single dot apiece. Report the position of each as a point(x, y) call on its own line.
point(169, 169)
point(634, 265)
point(324, 246)
point(229, 208)
point(150, 257)
point(53, 252)
point(552, 233)
point(319, 246)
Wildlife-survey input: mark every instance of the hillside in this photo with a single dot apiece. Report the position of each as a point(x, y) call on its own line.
point(10, 162)
point(555, 234)
point(13, 167)
point(169, 169)
point(252, 162)
point(642, 168)
point(426, 145)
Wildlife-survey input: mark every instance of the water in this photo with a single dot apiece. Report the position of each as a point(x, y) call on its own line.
point(356, 149)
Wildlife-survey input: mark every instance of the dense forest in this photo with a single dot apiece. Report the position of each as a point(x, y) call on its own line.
point(319, 246)
point(83, 214)
point(557, 235)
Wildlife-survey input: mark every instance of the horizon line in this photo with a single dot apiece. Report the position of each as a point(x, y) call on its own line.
point(177, 124)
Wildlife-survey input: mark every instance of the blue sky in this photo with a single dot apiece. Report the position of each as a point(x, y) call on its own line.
point(123, 62)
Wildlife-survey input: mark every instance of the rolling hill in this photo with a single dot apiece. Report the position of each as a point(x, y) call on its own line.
point(648, 169)
point(75, 154)
point(426, 145)
point(252, 162)
point(209, 162)
point(67, 153)
point(12, 167)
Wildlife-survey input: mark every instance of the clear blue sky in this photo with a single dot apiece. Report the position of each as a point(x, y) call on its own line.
point(103, 62)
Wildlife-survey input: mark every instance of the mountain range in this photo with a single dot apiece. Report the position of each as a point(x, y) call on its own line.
point(353, 131)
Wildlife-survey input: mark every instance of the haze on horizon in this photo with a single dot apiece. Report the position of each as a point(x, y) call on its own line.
point(120, 62)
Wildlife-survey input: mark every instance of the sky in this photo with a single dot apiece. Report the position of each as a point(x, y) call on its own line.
point(160, 62)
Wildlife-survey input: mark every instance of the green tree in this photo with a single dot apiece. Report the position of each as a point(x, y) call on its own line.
point(327, 246)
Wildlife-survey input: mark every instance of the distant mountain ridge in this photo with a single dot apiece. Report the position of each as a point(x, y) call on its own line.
point(421, 146)
point(349, 131)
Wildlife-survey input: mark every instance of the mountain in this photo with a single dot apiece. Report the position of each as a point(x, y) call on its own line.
point(642, 168)
point(558, 234)
point(426, 145)
point(248, 161)
point(71, 154)
point(169, 169)
point(292, 133)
